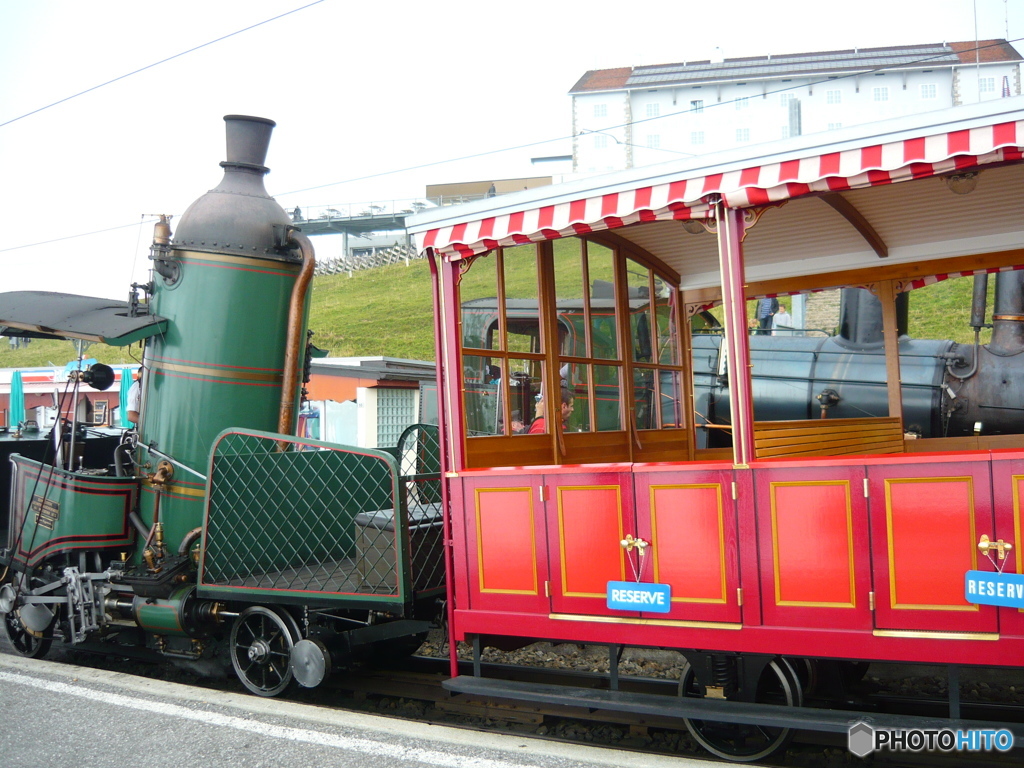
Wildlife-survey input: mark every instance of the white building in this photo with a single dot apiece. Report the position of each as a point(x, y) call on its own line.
point(635, 116)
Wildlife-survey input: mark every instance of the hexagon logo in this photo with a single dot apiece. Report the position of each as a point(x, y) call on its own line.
point(861, 739)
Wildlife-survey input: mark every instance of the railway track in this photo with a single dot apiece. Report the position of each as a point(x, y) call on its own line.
point(411, 689)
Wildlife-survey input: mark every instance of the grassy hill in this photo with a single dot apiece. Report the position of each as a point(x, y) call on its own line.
point(388, 311)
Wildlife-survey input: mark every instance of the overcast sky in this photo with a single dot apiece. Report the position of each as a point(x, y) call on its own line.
point(357, 89)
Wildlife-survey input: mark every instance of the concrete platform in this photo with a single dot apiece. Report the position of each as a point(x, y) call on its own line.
point(60, 714)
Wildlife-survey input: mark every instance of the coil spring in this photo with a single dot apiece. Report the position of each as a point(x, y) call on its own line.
point(723, 672)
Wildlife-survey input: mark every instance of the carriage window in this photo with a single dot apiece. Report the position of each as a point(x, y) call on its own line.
point(501, 341)
point(653, 311)
point(478, 291)
point(585, 306)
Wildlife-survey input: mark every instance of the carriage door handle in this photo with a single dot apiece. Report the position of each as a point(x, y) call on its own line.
point(1001, 547)
point(629, 544)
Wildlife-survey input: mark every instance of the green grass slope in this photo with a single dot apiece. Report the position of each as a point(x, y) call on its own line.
point(388, 312)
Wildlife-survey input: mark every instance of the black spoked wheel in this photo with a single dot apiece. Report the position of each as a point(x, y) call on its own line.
point(261, 646)
point(24, 642)
point(741, 742)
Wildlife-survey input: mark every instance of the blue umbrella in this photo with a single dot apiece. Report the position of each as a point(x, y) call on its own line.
point(126, 384)
point(16, 408)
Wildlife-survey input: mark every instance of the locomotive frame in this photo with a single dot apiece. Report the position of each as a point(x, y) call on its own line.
point(829, 542)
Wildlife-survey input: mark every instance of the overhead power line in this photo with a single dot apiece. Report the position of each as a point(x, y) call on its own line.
point(478, 154)
point(158, 63)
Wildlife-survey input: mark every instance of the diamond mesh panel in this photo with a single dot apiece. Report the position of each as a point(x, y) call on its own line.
point(419, 456)
point(321, 518)
point(313, 518)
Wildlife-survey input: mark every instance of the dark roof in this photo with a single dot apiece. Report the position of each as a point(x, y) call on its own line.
point(47, 315)
point(797, 65)
point(376, 368)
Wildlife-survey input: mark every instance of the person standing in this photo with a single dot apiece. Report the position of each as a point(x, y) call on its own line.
point(766, 309)
point(782, 321)
point(135, 400)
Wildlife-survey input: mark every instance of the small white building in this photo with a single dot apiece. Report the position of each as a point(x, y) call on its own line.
point(635, 116)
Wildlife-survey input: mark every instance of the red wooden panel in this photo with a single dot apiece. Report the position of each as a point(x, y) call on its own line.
point(927, 514)
point(814, 547)
point(506, 552)
point(1008, 503)
point(500, 544)
point(812, 544)
point(589, 531)
point(934, 516)
point(688, 540)
point(689, 516)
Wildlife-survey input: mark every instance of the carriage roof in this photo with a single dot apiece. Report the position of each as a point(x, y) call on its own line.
point(847, 199)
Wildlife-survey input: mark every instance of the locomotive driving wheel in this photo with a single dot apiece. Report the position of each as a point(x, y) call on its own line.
point(25, 642)
point(261, 647)
point(29, 627)
point(743, 742)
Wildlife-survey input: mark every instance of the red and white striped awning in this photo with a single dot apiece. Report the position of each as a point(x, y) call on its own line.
point(690, 197)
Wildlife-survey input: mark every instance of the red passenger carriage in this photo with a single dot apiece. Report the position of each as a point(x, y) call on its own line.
point(822, 538)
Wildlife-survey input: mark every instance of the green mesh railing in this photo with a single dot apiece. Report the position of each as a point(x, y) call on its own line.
point(419, 456)
point(290, 516)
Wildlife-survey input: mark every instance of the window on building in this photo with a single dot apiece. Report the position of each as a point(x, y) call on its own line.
point(742, 134)
point(600, 141)
point(654, 141)
point(697, 137)
point(833, 97)
point(653, 110)
point(697, 106)
point(600, 110)
point(987, 85)
point(881, 93)
point(785, 131)
point(834, 126)
point(928, 91)
point(742, 102)
point(785, 98)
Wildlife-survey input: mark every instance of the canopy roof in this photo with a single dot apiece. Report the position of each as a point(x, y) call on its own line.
point(47, 315)
point(847, 203)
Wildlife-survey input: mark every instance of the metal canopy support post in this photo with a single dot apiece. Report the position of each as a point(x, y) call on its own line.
point(730, 259)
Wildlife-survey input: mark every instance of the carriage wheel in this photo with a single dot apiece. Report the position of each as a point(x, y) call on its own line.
point(261, 646)
point(742, 742)
point(24, 642)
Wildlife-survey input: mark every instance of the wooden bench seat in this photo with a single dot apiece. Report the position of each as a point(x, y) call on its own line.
point(827, 437)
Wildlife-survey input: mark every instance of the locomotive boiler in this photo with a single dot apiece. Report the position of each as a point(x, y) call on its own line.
point(213, 529)
point(948, 389)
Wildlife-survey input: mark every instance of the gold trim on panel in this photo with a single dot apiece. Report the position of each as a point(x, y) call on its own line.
point(480, 549)
point(889, 482)
point(561, 535)
point(920, 635)
point(177, 488)
point(215, 372)
point(240, 260)
point(849, 546)
point(646, 622)
point(1015, 482)
point(721, 542)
